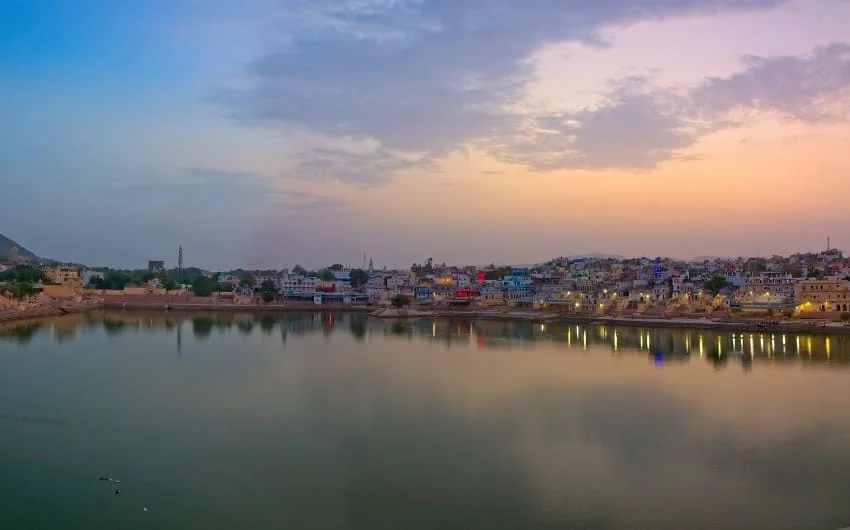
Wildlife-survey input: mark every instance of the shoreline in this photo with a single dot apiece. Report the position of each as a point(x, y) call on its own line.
point(526, 315)
point(752, 325)
point(50, 310)
point(519, 315)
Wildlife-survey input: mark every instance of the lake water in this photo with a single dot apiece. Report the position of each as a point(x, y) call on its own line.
point(340, 421)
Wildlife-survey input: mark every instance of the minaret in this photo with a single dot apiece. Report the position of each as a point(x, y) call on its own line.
point(180, 264)
point(371, 266)
point(827, 244)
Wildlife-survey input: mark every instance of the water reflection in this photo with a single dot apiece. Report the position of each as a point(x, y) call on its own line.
point(428, 423)
point(660, 344)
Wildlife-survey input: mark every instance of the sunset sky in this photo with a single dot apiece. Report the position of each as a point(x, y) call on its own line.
point(265, 133)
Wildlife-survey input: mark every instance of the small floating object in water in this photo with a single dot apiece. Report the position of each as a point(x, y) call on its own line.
point(110, 479)
point(145, 509)
point(117, 491)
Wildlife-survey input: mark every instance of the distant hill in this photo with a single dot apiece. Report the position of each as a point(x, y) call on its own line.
point(7, 247)
point(595, 256)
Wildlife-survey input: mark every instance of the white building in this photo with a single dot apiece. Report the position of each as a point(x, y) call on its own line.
point(297, 285)
point(86, 275)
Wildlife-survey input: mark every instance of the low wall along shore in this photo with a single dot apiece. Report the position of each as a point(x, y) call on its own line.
point(806, 322)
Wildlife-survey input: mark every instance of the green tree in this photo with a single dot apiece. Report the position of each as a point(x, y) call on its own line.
point(298, 269)
point(203, 286)
point(497, 273)
point(794, 270)
point(359, 277)
point(246, 280)
point(336, 267)
point(326, 275)
point(23, 274)
point(20, 290)
point(716, 284)
point(400, 300)
point(268, 288)
point(114, 280)
point(845, 317)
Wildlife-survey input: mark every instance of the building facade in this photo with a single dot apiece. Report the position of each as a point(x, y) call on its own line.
point(63, 275)
point(823, 295)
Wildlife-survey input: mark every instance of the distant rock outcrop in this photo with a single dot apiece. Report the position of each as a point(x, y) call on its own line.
point(11, 250)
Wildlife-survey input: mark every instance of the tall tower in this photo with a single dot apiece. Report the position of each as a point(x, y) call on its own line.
point(364, 260)
point(827, 244)
point(180, 264)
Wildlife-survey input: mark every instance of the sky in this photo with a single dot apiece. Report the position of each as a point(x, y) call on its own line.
point(269, 133)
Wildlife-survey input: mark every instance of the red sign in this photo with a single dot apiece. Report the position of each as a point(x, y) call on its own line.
point(481, 276)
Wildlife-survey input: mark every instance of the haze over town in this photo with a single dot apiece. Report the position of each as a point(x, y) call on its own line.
point(261, 134)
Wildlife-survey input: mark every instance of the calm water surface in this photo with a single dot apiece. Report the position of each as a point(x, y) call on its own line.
point(336, 421)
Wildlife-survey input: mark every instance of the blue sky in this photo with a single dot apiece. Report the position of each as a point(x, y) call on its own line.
point(266, 133)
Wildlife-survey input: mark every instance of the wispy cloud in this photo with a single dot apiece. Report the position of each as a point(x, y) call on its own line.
point(638, 125)
point(812, 88)
point(209, 187)
point(362, 170)
point(430, 75)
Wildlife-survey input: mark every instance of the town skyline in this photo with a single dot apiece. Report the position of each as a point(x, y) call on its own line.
point(366, 261)
point(253, 131)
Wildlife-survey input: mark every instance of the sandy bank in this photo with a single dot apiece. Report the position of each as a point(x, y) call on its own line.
point(53, 309)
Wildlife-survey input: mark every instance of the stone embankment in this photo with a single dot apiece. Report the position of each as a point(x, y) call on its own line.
point(197, 303)
point(401, 313)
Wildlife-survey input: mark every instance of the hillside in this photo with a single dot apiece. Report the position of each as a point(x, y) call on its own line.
point(6, 246)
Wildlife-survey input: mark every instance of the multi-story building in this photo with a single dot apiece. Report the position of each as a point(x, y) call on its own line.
point(63, 275)
point(829, 294)
point(297, 285)
point(778, 285)
point(423, 293)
